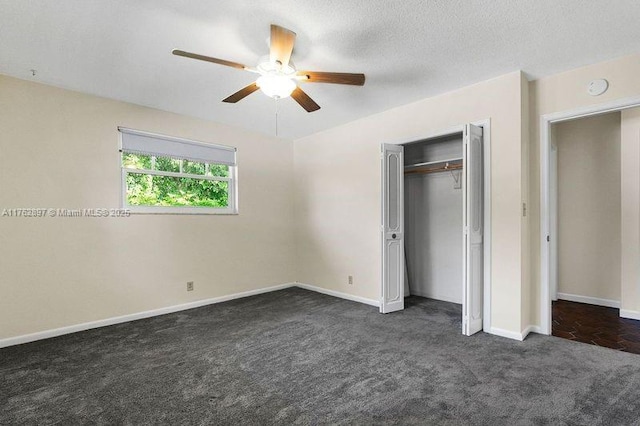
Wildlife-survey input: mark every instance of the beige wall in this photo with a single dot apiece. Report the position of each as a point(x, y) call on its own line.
point(337, 174)
point(525, 243)
point(589, 206)
point(631, 213)
point(59, 149)
point(564, 92)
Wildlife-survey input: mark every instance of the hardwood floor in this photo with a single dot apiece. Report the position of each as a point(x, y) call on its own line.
point(596, 325)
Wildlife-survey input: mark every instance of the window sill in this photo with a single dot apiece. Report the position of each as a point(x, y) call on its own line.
point(189, 211)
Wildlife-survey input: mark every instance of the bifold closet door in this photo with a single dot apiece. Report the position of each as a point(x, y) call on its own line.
point(473, 222)
point(392, 229)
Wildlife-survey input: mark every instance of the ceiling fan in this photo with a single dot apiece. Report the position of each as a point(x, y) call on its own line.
point(278, 76)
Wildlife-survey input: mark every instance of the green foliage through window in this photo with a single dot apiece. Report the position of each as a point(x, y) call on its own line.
point(185, 190)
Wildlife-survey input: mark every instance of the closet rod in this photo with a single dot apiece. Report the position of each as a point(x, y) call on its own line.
point(431, 163)
point(446, 168)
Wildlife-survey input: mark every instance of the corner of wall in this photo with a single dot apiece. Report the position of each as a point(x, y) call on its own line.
point(48, 131)
point(526, 295)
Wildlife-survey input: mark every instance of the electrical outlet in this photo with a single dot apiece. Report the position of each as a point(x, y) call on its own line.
point(350, 279)
point(189, 285)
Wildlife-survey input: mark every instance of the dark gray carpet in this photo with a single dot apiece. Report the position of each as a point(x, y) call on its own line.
point(297, 357)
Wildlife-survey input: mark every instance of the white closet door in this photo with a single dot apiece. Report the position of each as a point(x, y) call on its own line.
point(392, 229)
point(473, 221)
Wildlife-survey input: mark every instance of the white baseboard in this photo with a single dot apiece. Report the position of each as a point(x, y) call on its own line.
point(436, 297)
point(625, 313)
point(508, 334)
point(339, 294)
point(531, 329)
point(589, 300)
point(11, 341)
point(26, 338)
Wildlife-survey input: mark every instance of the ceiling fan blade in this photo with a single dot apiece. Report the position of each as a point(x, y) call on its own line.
point(282, 41)
point(208, 59)
point(332, 77)
point(304, 100)
point(241, 94)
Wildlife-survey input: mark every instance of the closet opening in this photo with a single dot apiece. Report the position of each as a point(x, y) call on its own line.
point(593, 197)
point(434, 223)
point(434, 195)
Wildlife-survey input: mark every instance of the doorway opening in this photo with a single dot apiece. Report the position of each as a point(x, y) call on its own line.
point(436, 193)
point(586, 203)
point(589, 218)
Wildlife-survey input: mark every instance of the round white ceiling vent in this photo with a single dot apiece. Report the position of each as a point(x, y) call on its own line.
point(598, 87)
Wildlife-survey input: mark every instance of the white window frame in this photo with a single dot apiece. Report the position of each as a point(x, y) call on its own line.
point(232, 181)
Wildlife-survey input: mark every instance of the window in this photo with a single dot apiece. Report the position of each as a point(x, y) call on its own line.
point(163, 174)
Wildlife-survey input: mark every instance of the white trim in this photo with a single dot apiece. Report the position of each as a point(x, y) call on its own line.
point(506, 333)
point(234, 199)
point(530, 329)
point(589, 300)
point(437, 297)
point(179, 210)
point(514, 334)
point(132, 317)
point(545, 141)
point(603, 108)
point(339, 294)
point(553, 222)
point(545, 226)
point(47, 334)
point(625, 313)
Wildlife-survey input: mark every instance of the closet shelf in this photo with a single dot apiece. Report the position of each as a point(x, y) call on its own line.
point(434, 166)
point(433, 163)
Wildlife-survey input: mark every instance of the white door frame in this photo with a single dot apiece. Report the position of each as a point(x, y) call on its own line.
point(553, 221)
point(486, 141)
point(545, 185)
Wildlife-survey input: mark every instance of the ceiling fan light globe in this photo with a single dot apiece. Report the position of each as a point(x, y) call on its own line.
point(276, 86)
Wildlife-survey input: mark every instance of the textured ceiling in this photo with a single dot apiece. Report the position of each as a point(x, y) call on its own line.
point(408, 49)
